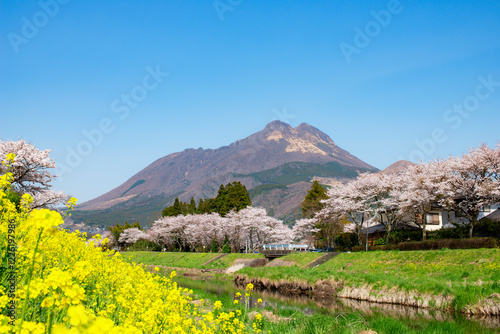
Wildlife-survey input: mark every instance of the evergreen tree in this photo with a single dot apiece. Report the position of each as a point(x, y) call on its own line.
point(227, 246)
point(173, 210)
point(200, 207)
point(215, 246)
point(311, 203)
point(192, 206)
point(177, 210)
point(221, 200)
point(233, 196)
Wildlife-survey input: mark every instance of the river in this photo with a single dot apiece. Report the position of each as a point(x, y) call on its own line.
point(333, 307)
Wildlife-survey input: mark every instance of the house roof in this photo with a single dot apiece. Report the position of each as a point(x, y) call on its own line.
point(495, 216)
point(374, 229)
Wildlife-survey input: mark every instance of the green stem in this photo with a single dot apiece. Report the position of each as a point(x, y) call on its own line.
point(30, 275)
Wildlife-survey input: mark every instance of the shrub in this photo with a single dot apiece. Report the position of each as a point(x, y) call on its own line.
point(457, 232)
point(145, 245)
point(487, 228)
point(437, 244)
point(401, 236)
point(214, 247)
point(346, 241)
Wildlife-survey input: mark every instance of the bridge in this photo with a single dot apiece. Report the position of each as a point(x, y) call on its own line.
point(272, 252)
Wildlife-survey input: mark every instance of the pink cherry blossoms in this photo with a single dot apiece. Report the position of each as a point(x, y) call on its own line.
point(461, 184)
point(31, 173)
point(250, 226)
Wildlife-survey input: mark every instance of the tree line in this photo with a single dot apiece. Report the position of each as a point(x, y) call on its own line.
point(463, 185)
point(232, 196)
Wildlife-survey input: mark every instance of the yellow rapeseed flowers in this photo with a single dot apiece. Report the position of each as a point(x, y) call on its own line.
point(64, 285)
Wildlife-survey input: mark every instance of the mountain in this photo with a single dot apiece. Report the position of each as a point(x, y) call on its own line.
point(276, 164)
point(398, 167)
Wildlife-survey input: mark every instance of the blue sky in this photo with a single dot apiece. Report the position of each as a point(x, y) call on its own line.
point(386, 80)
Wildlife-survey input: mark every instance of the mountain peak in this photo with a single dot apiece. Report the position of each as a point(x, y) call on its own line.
point(199, 172)
point(278, 125)
point(306, 127)
point(304, 138)
point(398, 167)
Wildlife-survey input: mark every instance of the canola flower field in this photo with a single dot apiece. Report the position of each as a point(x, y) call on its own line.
point(52, 281)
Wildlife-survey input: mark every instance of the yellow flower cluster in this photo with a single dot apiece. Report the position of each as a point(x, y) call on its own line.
point(9, 159)
point(66, 285)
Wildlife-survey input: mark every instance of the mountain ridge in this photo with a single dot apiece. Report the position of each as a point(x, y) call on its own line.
point(301, 152)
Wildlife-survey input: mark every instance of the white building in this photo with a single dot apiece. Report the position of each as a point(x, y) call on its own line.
point(440, 218)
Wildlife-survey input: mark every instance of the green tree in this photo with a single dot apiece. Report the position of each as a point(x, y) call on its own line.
point(346, 240)
point(233, 196)
point(311, 203)
point(176, 209)
point(215, 246)
point(227, 246)
point(192, 206)
point(201, 208)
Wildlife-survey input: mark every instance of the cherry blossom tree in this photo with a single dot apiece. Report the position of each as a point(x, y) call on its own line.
point(254, 225)
point(472, 182)
point(132, 235)
point(193, 231)
point(371, 198)
point(380, 200)
point(31, 173)
point(203, 229)
point(170, 231)
point(304, 229)
point(345, 201)
point(423, 189)
point(198, 231)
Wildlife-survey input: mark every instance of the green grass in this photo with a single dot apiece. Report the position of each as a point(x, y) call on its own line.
point(467, 275)
point(187, 260)
point(180, 260)
point(302, 259)
point(230, 259)
point(290, 320)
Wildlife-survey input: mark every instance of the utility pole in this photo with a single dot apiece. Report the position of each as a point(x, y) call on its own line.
point(367, 225)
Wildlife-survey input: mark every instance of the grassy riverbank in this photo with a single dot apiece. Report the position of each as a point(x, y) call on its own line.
point(290, 319)
point(459, 279)
point(187, 260)
point(465, 275)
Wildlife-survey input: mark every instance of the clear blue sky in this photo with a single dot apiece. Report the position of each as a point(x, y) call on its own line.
point(375, 87)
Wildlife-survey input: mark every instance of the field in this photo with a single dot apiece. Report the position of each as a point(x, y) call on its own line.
point(186, 260)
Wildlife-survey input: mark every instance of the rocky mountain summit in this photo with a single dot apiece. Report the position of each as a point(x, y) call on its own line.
point(278, 160)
